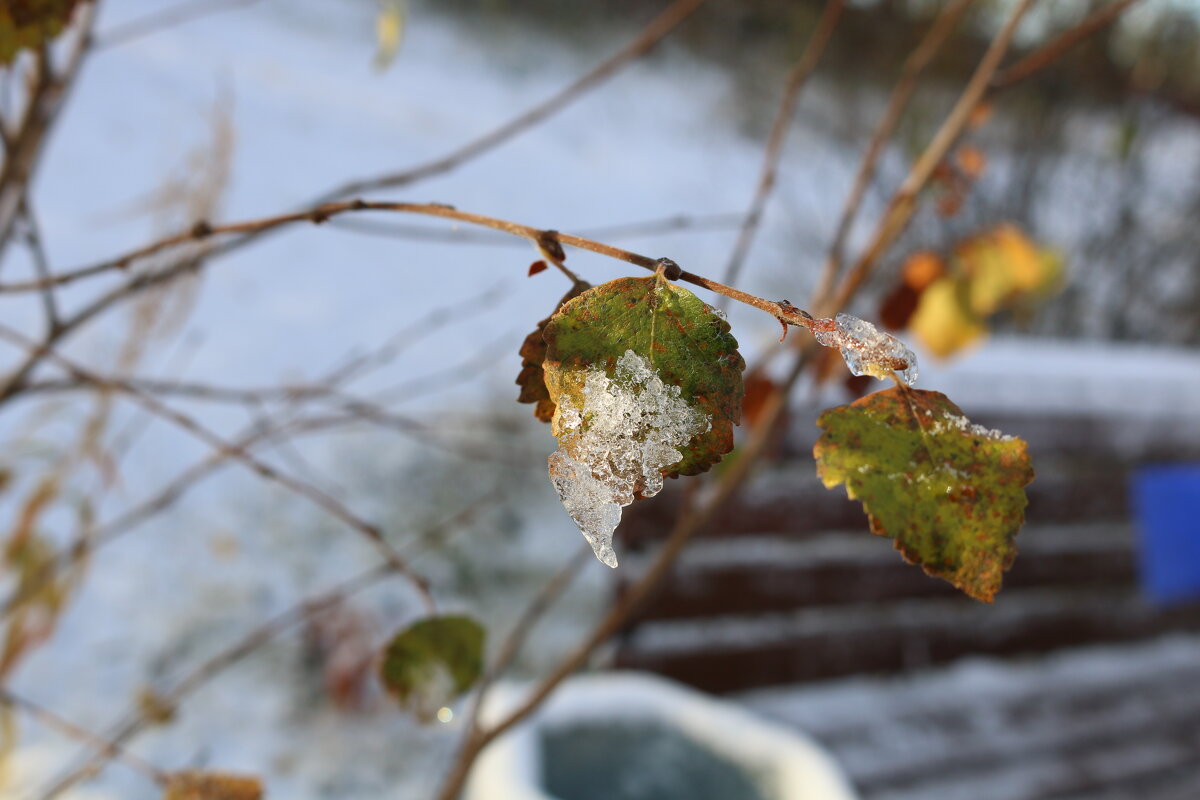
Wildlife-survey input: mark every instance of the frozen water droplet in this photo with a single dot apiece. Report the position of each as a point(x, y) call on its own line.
point(866, 349)
point(630, 428)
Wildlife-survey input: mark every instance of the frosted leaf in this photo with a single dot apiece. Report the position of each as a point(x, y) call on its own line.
point(866, 349)
point(631, 428)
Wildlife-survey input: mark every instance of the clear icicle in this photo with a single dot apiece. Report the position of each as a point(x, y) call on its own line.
point(630, 428)
point(867, 350)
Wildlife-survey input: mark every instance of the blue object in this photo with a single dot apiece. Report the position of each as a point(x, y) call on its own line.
point(1167, 504)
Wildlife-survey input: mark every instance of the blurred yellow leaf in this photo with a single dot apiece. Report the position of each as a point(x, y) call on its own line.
point(212, 786)
point(1002, 263)
point(389, 31)
point(942, 322)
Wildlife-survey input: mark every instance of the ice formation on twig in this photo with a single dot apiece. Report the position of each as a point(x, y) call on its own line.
point(867, 350)
point(630, 428)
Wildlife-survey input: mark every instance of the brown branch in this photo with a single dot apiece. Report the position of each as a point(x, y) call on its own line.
point(87, 543)
point(164, 19)
point(320, 214)
point(904, 201)
point(428, 233)
point(783, 311)
point(796, 80)
point(107, 747)
point(134, 722)
point(901, 95)
point(41, 265)
point(47, 97)
point(1050, 52)
point(472, 738)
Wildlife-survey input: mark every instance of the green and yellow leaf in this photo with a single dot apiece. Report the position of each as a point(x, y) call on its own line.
point(647, 383)
point(433, 661)
point(950, 494)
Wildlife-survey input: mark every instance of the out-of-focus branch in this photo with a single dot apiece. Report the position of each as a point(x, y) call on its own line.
point(797, 78)
point(904, 201)
point(782, 311)
point(164, 19)
point(134, 722)
point(901, 95)
point(642, 44)
point(1050, 52)
point(110, 749)
point(323, 500)
point(47, 94)
point(41, 266)
point(651, 227)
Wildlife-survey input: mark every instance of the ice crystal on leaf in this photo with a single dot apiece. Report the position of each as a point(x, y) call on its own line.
point(631, 427)
point(867, 350)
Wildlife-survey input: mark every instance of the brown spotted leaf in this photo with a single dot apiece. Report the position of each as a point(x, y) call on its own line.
point(533, 352)
point(949, 493)
point(212, 786)
point(647, 382)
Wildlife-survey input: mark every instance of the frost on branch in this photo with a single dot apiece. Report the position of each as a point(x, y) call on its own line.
point(636, 427)
point(646, 383)
point(867, 350)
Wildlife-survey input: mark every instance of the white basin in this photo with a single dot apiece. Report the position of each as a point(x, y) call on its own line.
point(617, 716)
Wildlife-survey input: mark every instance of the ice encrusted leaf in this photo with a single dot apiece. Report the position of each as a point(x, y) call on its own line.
point(948, 492)
point(866, 350)
point(647, 384)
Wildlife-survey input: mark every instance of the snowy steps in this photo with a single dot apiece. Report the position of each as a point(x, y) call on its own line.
point(787, 584)
point(1093, 723)
point(1070, 686)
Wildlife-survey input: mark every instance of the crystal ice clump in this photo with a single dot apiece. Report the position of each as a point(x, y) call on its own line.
point(867, 350)
point(630, 428)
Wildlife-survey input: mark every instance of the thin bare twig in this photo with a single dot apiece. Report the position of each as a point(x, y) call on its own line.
point(323, 500)
point(135, 721)
point(796, 80)
point(47, 97)
point(914, 65)
point(904, 201)
point(165, 18)
point(429, 233)
point(41, 265)
point(1050, 52)
point(645, 41)
point(107, 747)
